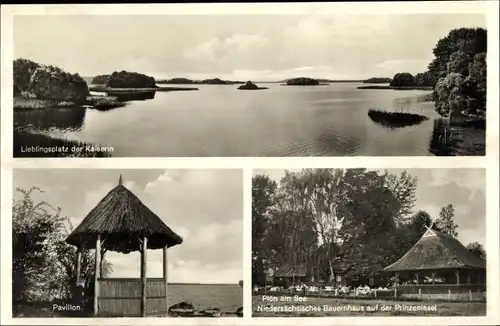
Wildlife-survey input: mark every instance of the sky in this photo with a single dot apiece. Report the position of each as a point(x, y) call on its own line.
point(464, 188)
point(205, 207)
point(238, 47)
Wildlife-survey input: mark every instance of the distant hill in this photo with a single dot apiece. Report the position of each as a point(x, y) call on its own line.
point(377, 80)
point(212, 81)
point(329, 80)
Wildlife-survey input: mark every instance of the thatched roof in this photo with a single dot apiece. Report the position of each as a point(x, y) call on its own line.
point(287, 270)
point(436, 250)
point(122, 220)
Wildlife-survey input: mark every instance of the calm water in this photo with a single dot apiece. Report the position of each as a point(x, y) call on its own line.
point(227, 297)
point(218, 120)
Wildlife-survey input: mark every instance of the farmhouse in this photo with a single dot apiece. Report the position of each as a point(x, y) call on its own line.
point(438, 266)
point(122, 223)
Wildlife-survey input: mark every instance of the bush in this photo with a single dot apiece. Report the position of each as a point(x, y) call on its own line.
point(403, 79)
point(23, 69)
point(448, 96)
point(52, 83)
point(424, 79)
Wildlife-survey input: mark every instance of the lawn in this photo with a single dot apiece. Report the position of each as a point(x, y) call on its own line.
point(319, 307)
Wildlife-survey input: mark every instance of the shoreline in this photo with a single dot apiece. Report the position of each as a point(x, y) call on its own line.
point(101, 89)
point(403, 88)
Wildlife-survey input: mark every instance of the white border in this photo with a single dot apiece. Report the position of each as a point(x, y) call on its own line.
point(489, 8)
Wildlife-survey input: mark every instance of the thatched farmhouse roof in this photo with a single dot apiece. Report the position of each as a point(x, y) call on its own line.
point(436, 250)
point(122, 220)
point(288, 270)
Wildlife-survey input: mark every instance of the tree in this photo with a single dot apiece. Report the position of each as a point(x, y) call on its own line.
point(477, 249)
point(263, 192)
point(322, 191)
point(404, 189)
point(368, 228)
point(448, 97)
point(459, 69)
point(445, 221)
point(43, 265)
point(403, 79)
point(468, 40)
point(33, 235)
point(424, 79)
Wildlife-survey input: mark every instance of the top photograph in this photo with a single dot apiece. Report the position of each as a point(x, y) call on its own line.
point(231, 85)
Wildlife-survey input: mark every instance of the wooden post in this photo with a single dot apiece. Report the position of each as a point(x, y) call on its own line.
point(143, 275)
point(457, 273)
point(433, 278)
point(470, 295)
point(97, 274)
point(416, 276)
point(449, 294)
point(420, 294)
point(78, 265)
point(165, 278)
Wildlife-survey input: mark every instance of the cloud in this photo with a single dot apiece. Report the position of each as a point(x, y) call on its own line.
point(221, 49)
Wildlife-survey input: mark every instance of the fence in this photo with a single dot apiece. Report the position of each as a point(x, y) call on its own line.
point(122, 297)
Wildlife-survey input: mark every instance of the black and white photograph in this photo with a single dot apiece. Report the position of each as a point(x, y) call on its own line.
point(249, 85)
point(366, 242)
point(127, 243)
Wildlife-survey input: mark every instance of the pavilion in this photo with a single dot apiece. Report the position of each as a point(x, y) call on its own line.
point(438, 263)
point(122, 223)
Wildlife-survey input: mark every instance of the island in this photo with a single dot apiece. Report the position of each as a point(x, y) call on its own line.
point(377, 80)
point(404, 81)
point(303, 81)
point(100, 79)
point(132, 82)
point(251, 86)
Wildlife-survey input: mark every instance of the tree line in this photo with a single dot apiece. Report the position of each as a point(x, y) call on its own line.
point(320, 218)
point(457, 73)
point(43, 264)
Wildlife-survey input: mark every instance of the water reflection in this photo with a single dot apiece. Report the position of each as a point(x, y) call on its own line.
point(64, 119)
point(132, 96)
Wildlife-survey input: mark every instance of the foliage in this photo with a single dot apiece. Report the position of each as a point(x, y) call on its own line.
point(459, 68)
point(448, 97)
point(326, 219)
point(125, 79)
point(377, 80)
point(424, 79)
point(403, 79)
point(23, 69)
point(445, 221)
point(477, 249)
point(302, 81)
point(404, 188)
point(263, 192)
point(466, 40)
point(43, 266)
point(100, 79)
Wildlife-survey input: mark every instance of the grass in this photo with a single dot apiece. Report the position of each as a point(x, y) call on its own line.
point(395, 119)
point(36, 104)
point(378, 308)
point(23, 139)
point(98, 102)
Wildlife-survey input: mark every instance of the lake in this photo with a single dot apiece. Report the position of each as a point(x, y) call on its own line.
point(219, 120)
point(226, 297)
